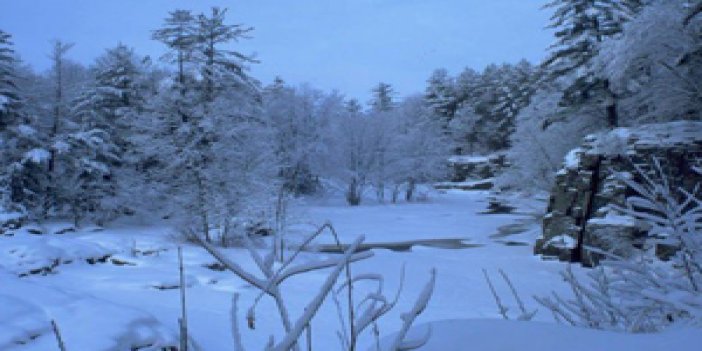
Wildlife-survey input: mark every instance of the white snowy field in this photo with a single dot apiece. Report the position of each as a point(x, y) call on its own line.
point(131, 299)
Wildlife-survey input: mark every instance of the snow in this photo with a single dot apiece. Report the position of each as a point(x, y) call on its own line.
point(26, 130)
point(463, 334)
point(9, 216)
point(467, 159)
point(572, 159)
point(3, 102)
point(612, 219)
point(37, 155)
point(132, 298)
point(655, 135)
point(562, 242)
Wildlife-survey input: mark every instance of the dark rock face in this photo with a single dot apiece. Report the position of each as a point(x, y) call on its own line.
point(579, 215)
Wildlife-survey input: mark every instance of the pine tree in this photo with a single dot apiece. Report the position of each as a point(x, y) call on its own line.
point(11, 188)
point(179, 34)
point(382, 99)
point(106, 112)
point(217, 146)
point(221, 68)
point(9, 99)
point(580, 27)
point(441, 95)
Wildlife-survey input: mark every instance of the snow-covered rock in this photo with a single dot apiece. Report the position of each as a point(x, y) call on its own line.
point(472, 168)
point(586, 185)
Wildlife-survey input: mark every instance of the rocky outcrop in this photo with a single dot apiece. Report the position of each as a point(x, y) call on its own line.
point(472, 168)
point(579, 213)
point(10, 221)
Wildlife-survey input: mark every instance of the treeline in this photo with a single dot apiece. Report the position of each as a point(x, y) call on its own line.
point(200, 140)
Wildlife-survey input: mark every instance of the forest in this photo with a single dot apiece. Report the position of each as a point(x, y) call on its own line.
point(188, 159)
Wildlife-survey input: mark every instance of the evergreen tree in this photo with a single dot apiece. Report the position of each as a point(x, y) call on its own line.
point(382, 99)
point(353, 106)
point(179, 34)
point(441, 95)
point(580, 27)
point(221, 68)
point(218, 145)
point(12, 187)
point(9, 99)
point(106, 113)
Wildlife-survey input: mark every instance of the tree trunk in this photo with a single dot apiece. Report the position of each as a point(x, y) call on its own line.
point(395, 193)
point(411, 185)
point(611, 106)
point(202, 206)
point(353, 196)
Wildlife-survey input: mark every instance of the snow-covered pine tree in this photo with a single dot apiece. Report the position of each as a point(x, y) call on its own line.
point(179, 35)
point(219, 147)
point(57, 146)
point(12, 185)
point(441, 95)
point(9, 98)
point(515, 86)
point(106, 115)
point(494, 126)
point(382, 98)
point(580, 27)
point(462, 127)
point(221, 68)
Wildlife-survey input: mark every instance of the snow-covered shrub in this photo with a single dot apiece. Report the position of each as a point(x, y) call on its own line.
point(644, 294)
point(355, 317)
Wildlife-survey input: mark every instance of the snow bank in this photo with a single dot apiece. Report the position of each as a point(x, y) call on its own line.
point(85, 322)
point(656, 135)
point(502, 335)
point(24, 254)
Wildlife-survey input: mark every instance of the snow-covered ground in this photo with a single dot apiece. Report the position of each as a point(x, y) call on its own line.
point(107, 288)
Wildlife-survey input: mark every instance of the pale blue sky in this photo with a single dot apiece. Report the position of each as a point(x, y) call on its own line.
point(348, 45)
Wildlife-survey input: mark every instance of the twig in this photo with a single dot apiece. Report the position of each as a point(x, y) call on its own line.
point(408, 318)
point(500, 306)
point(312, 308)
point(57, 333)
point(235, 326)
point(183, 321)
point(525, 315)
